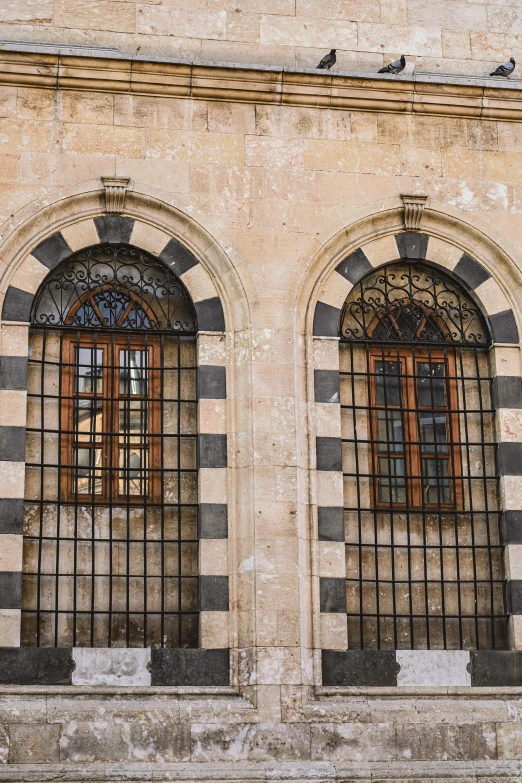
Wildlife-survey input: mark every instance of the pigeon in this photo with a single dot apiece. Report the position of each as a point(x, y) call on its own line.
point(395, 67)
point(328, 60)
point(506, 69)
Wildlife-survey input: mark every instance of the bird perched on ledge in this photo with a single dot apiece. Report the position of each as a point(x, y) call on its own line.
point(395, 67)
point(506, 69)
point(328, 60)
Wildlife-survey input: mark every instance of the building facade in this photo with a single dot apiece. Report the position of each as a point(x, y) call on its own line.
point(260, 392)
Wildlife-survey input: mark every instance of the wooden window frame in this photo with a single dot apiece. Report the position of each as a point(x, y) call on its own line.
point(409, 357)
point(111, 397)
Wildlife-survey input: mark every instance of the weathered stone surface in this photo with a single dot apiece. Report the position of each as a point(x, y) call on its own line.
point(260, 743)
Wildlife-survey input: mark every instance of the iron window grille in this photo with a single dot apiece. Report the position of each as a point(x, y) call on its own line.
point(421, 508)
point(110, 528)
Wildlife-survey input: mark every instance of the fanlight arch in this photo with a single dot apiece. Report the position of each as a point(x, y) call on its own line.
point(114, 287)
point(412, 302)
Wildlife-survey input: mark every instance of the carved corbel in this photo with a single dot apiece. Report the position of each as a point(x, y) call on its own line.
point(115, 192)
point(413, 207)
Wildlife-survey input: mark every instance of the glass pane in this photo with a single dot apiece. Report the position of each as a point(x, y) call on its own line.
point(89, 367)
point(133, 372)
point(432, 393)
point(133, 464)
point(88, 420)
point(436, 483)
point(433, 433)
point(389, 427)
point(133, 419)
point(388, 383)
point(87, 476)
point(392, 484)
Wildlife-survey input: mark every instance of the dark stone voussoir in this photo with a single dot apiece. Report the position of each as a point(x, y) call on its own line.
point(326, 320)
point(11, 516)
point(330, 523)
point(507, 391)
point(504, 327)
point(13, 373)
point(114, 228)
point(470, 272)
point(190, 667)
point(496, 668)
point(412, 244)
point(52, 250)
point(213, 520)
point(12, 444)
point(511, 527)
point(213, 594)
point(177, 257)
point(509, 459)
point(17, 305)
point(354, 267)
point(10, 589)
point(329, 453)
point(332, 594)
point(212, 451)
point(210, 315)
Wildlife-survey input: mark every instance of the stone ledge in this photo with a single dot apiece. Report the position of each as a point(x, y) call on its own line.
point(450, 96)
point(302, 772)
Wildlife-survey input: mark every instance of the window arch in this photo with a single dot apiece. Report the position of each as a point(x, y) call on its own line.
point(110, 539)
point(421, 511)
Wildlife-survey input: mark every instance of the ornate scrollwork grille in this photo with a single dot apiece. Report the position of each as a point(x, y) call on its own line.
point(114, 287)
point(412, 303)
point(421, 506)
point(110, 527)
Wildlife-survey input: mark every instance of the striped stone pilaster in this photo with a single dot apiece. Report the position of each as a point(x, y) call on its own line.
point(13, 411)
point(507, 402)
point(331, 567)
point(213, 509)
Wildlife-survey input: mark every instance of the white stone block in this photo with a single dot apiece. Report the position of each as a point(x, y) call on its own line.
point(433, 667)
point(111, 666)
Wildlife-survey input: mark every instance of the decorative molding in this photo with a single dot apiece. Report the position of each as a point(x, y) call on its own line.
point(115, 192)
point(413, 209)
point(448, 96)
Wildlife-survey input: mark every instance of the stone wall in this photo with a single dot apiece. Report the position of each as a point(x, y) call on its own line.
point(452, 36)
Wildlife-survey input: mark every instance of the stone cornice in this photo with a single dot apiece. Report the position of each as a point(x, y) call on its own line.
point(449, 96)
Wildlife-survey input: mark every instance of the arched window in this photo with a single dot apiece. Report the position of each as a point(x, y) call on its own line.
point(110, 539)
point(423, 555)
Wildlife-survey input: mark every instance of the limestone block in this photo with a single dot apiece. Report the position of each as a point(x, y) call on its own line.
point(306, 31)
point(173, 174)
point(242, 27)
point(334, 631)
point(394, 38)
point(345, 10)
point(273, 152)
point(351, 156)
point(515, 626)
point(437, 132)
point(331, 560)
point(34, 743)
point(509, 740)
point(183, 22)
point(25, 135)
point(111, 666)
point(27, 12)
point(10, 620)
point(152, 112)
point(139, 741)
point(213, 556)
point(335, 290)
point(10, 552)
point(104, 140)
point(211, 349)
point(326, 353)
point(277, 121)
point(13, 408)
point(456, 44)
point(329, 488)
point(482, 135)
point(35, 104)
point(505, 360)
point(95, 15)
point(212, 416)
point(214, 630)
point(464, 742)
point(362, 741)
point(433, 667)
point(261, 742)
point(87, 107)
point(381, 251)
point(420, 162)
point(327, 420)
point(444, 253)
point(510, 425)
point(199, 283)
point(247, 53)
point(29, 275)
point(149, 237)
point(80, 235)
point(12, 474)
point(501, 166)
point(364, 127)
point(224, 117)
point(197, 147)
point(513, 558)
point(278, 666)
point(14, 339)
point(503, 20)
point(461, 163)
point(9, 169)
point(509, 137)
point(511, 492)
point(212, 485)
